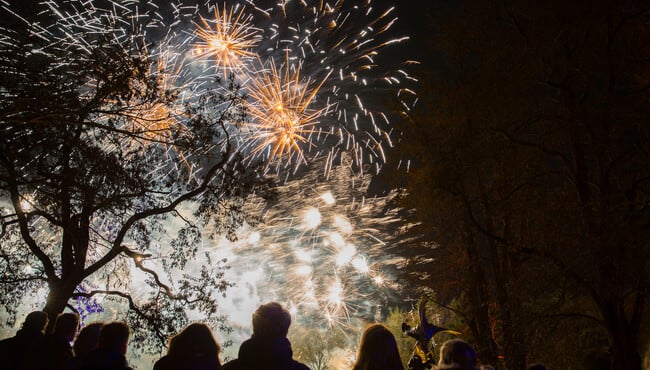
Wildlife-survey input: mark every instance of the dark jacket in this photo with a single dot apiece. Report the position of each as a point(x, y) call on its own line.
point(14, 350)
point(53, 353)
point(187, 363)
point(265, 353)
point(102, 359)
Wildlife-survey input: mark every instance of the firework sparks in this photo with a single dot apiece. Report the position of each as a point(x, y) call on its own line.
point(281, 111)
point(324, 253)
point(229, 38)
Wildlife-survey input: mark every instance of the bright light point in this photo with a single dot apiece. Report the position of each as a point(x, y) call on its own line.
point(303, 255)
point(25, 205)
point(218, 45)
point(345, 255)
point(303, 270)
point(311, 218)
point(254, 237)
point(361, 265)
point(328, 198)
point(342, 223)
point(337, 240)
point(379, 280)
point(336, 293)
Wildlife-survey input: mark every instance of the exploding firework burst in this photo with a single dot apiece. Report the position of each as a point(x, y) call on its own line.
point(338, 45)
point(230, 38)
point(282, 111)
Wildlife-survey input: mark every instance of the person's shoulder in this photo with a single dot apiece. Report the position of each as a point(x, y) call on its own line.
point(299, 366)
point(7, 342)
point(232, 365)
point(162, 363)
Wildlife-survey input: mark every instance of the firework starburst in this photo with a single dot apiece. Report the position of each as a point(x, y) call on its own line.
point(230, 38)
point(282, 110)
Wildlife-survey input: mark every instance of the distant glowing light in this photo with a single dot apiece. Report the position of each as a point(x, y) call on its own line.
point(345, 255)
point(254, 237)
point(303, 270)
point(361, 265)
point(335, 293)
point(26, 205)
point(328, 198)
point(337, 240)
point(312, 218)
point(303, 255)
point(342, 224)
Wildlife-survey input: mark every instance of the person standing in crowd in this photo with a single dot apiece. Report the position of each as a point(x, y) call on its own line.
point(86, 342)
point(378, 350)
point(14, 350)
point(111, 351)
point(55, 350)
point(456, 354)
point(268, 348)
point(194, 348)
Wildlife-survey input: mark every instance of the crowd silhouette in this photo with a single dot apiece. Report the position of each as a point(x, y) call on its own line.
point(103, 346)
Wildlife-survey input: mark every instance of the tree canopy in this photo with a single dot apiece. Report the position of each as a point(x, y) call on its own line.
point(104, 137)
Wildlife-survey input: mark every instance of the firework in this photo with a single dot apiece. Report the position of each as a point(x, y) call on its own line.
point(230, 38)
point(316, 85)
point(340, 104)
point(283, 117)
point(326, 251)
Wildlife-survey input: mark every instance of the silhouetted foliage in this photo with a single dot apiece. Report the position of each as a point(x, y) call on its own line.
point(100, 154)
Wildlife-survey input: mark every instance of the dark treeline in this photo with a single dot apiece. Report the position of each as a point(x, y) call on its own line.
point(530, 178)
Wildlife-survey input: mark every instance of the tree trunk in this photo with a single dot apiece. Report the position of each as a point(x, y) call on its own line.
point(479, 299)
point(625, 347)
point(57, 300)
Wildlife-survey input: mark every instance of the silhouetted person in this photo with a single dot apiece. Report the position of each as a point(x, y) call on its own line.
point(13, 350)
point(194, 348)
point(55, 350)
point(456, 354)
point(268, 348)
point(111, 352)
point(378, 350)
point(86, 342)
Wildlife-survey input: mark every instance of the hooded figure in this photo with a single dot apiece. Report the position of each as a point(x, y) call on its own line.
point(268, 348)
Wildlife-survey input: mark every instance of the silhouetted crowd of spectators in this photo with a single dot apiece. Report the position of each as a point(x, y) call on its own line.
point(103, 346)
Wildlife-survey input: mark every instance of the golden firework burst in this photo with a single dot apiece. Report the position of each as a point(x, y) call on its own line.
point(282, 111)
point(229, 38)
